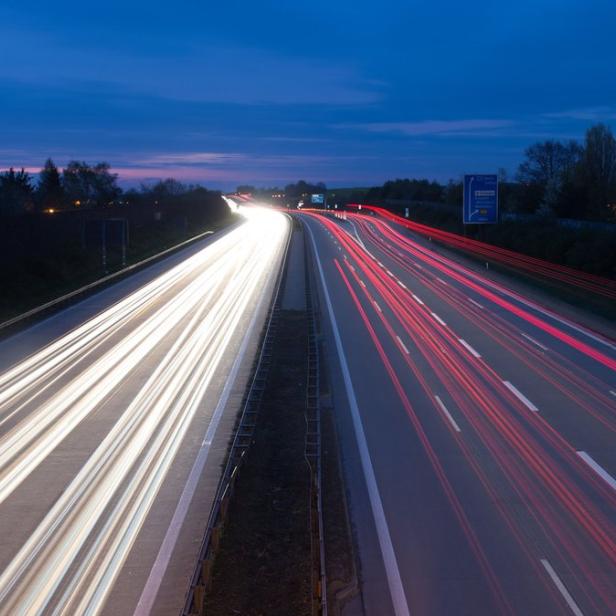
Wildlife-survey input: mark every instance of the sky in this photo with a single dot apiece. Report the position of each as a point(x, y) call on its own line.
point(348, 92)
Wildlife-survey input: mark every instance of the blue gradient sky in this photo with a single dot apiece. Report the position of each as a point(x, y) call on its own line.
point(347, 92)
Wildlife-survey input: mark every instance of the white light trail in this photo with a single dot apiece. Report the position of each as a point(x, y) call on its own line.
point(192, 313)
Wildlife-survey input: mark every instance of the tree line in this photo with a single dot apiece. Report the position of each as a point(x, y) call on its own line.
point(83, 186)
point(563, 179)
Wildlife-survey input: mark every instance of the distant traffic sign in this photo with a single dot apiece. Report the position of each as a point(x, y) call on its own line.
point(480, 199)
point(317, 199)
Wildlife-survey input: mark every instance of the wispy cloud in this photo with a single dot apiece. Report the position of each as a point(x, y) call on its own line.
point(591, 114)
point(434, 127)
point(191, 158)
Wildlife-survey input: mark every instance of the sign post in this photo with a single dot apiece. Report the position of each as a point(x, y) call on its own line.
point(480, 199)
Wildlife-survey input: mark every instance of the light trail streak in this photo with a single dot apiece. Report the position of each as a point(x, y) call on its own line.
point(483, 286)
point(532, 265)
point(71, 560)
point(558, 370)
point(549, 482)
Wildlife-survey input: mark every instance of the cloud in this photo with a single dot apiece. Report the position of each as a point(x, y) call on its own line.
point(434, 127)
point(191, 158)
point(592, 114)
point(195, 72)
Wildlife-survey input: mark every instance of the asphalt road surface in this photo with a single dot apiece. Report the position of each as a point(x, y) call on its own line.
point(115, 415)
point(478, 432)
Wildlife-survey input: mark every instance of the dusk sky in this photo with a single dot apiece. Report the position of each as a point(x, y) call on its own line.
point(347, 92)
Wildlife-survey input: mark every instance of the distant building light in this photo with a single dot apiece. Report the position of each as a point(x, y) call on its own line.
point(77, 203)
point(50, 210)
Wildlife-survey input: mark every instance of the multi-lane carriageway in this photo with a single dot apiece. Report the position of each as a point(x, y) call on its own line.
point(477, 428)
point(115, 416)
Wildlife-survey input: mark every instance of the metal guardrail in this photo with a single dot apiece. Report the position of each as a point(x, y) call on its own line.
point(313, 450)
point(49, 307)
point(202, 576)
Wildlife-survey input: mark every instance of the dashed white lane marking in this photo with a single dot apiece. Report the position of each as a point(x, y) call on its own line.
point(447, 414)
point(390, 274)
point(520, 396)
point(417, 265)
point(442, 281)
point(598, 469)
point(613, 392)
point(573, 606)
point(535, 342)
point(438, 319)
point(417, 299)
point(377, 307)
point(468, 347)
point(472, 301)
point(380, 263)
point(362, 283)
point(402, 284)
point(402, 345)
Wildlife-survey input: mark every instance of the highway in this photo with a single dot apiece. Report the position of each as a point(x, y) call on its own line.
point(115, 416)
point(477, 431)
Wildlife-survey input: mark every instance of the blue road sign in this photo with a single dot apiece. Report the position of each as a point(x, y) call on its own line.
point(317, 199)
point(480, 199)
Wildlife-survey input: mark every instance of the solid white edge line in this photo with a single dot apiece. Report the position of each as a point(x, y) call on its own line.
point(520, 396)
point(402, 345)
point(598, 469)
point(452, 421)
point(438, 319)
point(468, 347)
point(392, 572)
point(159, 568)
point(535, 342)
point(562, 588)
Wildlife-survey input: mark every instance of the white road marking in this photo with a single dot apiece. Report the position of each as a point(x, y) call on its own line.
point(442, 281)
point(598, 469)
point(536, 342)
point(390, 274)
point(362, 283)
point(468, 347)
point(520, 396)
point(380, 263)
point(417, 299)
point(402, 284)
point(402, 345)
point(417, 265)
point(392, 571)
point(447, 414)
point(438, 319)
point(377, 306)
point(472, 301)
point(613, 392)
point(561, 588)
